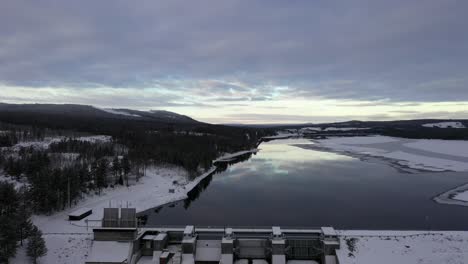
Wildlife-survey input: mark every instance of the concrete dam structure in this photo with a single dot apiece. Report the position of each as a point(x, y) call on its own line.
point(205, 245)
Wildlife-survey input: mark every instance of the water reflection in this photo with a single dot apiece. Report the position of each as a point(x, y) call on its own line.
point(291, 186)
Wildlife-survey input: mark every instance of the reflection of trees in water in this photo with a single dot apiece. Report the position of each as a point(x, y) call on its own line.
point(195, 193)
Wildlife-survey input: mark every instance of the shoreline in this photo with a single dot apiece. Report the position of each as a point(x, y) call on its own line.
point(115, 195)
point(394, 163)
point(447, 196)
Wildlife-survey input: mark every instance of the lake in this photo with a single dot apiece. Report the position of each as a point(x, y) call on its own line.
point(289, 186)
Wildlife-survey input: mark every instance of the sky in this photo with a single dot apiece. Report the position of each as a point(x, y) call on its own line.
point(241, 61)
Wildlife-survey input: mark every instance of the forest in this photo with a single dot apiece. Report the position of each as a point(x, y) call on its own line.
point(69, 164)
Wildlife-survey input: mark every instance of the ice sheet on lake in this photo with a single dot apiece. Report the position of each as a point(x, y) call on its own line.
point(421, 154)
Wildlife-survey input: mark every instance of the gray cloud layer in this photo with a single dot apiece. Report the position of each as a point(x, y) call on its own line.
point(401, 50)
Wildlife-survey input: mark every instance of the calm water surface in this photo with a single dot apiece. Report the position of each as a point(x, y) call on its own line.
point(287, 185)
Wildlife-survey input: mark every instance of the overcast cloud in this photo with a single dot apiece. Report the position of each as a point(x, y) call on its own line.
point(248, 56)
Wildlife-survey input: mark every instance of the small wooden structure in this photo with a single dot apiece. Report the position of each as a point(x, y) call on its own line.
point(79, 214)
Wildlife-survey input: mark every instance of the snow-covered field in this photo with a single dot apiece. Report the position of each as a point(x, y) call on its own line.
point(61, 248)
point(420, 154)
point(448, 147)
point(403, 247)
point(445, 125)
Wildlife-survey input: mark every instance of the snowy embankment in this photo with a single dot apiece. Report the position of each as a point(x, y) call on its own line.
point(71, 241)
point(445, 125)
point(330, 129)
point(160, 186)
point(419, 154)
point(233, 156)
point(456, 196)
point(403, 247)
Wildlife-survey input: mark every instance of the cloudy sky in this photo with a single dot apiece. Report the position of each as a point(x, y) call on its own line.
point(242, 61)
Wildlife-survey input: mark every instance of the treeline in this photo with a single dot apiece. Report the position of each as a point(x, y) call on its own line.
point(10, 136)
point(55, 186)
point(86, 149)
point(16, 225)
point(192, 152)
point(427, 133)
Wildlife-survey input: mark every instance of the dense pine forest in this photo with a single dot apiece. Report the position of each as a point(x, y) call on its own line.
point(59, 166)
point(15, 222)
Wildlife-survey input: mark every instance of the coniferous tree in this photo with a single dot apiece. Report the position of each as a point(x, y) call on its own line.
point(8, 224)
point(126, 168)
point(23, 215)
point(116, 169)
point(101, 174)
point(36, 245)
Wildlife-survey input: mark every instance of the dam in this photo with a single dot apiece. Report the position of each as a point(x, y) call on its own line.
point(224, 245)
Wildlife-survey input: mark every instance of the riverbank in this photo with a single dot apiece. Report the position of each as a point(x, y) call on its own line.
point(233, 156)
point(413, 154)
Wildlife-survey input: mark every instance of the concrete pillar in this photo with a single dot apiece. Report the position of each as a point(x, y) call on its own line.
point(189, 240)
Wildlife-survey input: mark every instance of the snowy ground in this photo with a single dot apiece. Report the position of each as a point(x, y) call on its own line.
point(403, 247)
point(75, 237)
point(445, 125)
point(161, 185)
point(62, 248)
point(419, 154)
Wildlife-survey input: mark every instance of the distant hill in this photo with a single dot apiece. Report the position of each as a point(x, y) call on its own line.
point(91, 111)
point(89, 118)
point(447, 123)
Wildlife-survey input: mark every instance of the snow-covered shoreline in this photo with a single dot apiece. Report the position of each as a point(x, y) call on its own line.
point(233, 156)
point(408, 155)
point(455, 196)
point(389, 247)
point(417, 154)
